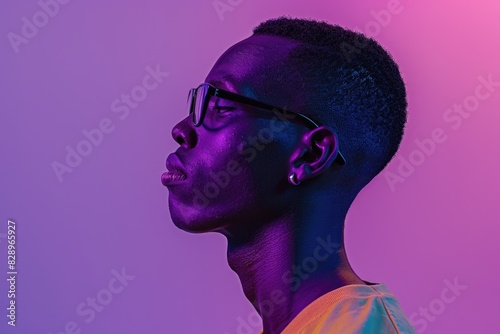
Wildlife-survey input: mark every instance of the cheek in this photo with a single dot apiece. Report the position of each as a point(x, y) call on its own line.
point(242, 161)
point(220, 165)
point(264, 158)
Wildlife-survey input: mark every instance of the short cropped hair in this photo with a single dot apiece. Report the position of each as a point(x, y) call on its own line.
point(351, 84)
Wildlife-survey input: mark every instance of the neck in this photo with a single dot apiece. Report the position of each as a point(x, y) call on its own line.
point(289, 262)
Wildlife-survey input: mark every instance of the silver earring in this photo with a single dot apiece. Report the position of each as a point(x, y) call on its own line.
point(293, 180)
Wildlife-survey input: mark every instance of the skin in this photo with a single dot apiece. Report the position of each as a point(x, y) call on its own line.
point(272, 227)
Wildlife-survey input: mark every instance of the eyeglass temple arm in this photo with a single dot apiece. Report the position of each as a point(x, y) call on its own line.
point(247, 100)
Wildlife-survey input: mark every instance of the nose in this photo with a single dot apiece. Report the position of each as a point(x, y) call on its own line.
point(184, 133)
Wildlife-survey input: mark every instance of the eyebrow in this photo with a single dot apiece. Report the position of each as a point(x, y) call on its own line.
point(224, 84)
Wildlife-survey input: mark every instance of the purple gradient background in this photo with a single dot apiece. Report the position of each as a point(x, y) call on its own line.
point(111, 211)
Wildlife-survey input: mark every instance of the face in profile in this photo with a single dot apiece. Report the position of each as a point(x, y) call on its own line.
point(234, 166)
point(259, 162)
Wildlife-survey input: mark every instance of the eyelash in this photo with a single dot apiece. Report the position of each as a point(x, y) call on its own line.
point(219, 109)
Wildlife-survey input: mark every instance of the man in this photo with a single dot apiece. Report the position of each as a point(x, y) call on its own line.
point(290, 124)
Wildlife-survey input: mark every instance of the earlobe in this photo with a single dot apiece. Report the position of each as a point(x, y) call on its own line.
point(314, 154)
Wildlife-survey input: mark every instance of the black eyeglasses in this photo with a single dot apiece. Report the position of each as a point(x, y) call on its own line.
point(198, 100)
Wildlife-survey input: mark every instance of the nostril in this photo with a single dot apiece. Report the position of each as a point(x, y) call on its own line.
point(184, 135)
point(178, 137)
point(180, 140)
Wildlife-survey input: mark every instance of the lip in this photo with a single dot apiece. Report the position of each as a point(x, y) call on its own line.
point(176, 173)
point(172, 177)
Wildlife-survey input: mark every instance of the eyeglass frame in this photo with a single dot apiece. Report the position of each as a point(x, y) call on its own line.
point(227, 95)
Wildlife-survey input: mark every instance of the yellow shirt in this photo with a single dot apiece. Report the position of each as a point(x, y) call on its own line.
point(355, 308)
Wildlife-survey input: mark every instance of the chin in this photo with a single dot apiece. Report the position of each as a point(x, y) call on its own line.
point(192, 220)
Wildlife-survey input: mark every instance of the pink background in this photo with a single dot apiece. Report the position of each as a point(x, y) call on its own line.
point(111, 211)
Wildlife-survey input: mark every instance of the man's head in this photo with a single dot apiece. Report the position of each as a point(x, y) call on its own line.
point(238, 162)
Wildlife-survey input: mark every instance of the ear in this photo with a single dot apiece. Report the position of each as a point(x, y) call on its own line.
point(315, 153)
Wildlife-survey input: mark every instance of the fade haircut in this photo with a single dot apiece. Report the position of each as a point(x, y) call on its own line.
point(351, 84)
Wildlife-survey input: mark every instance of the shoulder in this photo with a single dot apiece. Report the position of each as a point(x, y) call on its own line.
point(375, 310)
